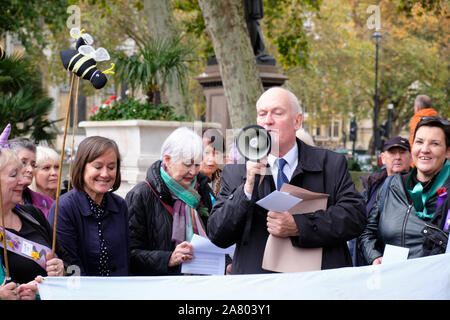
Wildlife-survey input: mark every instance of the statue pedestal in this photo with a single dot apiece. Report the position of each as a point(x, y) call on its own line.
point(216, 103)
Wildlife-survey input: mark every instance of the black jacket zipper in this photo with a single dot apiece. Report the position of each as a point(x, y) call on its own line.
point(405, 220)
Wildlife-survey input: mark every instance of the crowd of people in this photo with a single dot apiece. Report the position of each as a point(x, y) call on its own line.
point(188, 191)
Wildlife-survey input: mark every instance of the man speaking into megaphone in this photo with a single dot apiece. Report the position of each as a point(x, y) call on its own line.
point(236, 219)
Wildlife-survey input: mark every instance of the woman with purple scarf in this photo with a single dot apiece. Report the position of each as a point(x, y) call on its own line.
point(171, 205)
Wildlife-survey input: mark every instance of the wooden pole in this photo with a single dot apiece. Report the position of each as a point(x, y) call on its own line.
point(74, 127)
point(5, 250)
point(58, 188)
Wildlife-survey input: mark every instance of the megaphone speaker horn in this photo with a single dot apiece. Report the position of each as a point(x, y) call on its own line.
point(254, 142)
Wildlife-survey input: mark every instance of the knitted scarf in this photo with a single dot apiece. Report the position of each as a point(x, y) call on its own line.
point(186, 210)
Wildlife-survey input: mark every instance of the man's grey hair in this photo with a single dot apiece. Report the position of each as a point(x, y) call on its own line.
point(423, 101)
point(183, 144)
point(295, 104)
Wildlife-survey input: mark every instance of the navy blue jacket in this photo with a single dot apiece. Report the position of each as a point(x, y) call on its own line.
point(77, 231)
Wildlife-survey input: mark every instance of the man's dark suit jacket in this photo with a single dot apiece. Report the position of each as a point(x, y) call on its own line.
point(318, 170)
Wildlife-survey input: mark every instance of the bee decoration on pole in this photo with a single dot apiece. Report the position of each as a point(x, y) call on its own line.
point(83, 60)
point(82, 37)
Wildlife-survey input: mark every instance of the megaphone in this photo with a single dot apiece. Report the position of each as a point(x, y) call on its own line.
point(254, 142)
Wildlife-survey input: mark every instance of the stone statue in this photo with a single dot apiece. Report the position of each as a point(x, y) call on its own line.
point(253, 12)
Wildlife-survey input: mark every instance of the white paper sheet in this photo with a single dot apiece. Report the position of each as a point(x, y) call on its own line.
point(394, 254)
point(278, 201)
point(209, 259)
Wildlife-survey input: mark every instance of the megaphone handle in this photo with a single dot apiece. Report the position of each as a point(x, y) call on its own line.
point(248, 222)
point(255, 188)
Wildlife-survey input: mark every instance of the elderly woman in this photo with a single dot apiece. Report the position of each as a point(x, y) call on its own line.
point(92, 221)
point(28, 234)
point(170, 206)
point(26, 150)
point(46, 172)
point(412, 199)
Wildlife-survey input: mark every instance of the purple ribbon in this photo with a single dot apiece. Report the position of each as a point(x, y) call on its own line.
point(26, 248)
point(441, 198)
point(447, 221)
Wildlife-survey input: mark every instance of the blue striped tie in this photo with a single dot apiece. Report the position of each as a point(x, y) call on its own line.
point(281, 178)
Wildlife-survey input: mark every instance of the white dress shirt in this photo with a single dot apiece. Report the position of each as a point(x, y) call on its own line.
point(291, 158)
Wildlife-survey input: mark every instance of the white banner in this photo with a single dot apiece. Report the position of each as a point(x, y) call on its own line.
point(423, 278)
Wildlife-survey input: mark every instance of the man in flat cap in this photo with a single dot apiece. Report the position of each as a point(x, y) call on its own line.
point(396, 157)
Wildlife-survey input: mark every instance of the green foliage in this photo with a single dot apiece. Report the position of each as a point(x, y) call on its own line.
point(282, 24)
point(157, 63)
point(32, 19)
point(192, 22)
point(285, 22)
point(23, 103)
point(435, 6)
point(131, 109)
point(340, 76)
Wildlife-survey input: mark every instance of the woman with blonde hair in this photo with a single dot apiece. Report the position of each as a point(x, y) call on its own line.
point(28, 234)
point(46, 172)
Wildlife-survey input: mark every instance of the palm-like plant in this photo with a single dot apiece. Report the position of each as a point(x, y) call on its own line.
point(23, 103)
point(157, 63)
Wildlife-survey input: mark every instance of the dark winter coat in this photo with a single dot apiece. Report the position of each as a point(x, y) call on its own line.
point(23, 269)
point(151, 223)
point(372, 183)
point(436, 239)
point(318, 170)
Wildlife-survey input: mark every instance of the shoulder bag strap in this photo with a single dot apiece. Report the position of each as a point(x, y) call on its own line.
point(169, 208)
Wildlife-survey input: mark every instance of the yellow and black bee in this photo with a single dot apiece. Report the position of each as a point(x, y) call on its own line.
point(2, 53)
point(83, 61)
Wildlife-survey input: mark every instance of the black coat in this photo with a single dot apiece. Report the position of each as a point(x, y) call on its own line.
point(151, 223)
point(318, 170)
point(42, 225)
point(38, 222)
point(436, 239)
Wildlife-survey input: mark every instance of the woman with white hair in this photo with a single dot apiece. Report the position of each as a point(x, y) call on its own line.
point(46, 172)
point(171, 205)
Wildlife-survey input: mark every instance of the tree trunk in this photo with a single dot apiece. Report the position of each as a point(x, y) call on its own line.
point(225, 24)
point(162, 26)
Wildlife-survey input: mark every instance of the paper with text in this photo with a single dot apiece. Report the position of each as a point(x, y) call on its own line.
point(208, 258)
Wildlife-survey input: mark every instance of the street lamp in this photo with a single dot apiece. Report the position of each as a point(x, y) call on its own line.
point(389, 119)
point(376, 108)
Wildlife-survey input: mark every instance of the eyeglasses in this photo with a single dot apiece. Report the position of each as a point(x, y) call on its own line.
point(429, 119)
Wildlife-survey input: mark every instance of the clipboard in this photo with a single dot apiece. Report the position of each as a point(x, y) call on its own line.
point(280, 255)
